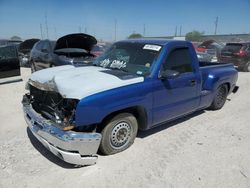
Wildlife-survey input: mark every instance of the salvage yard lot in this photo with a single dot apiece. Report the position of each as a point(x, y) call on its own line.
point(206, 149)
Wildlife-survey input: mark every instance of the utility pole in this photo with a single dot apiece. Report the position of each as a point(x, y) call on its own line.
point(80, 29)
point(46, 25)
point(180, 30)
point(55, 32)
point(144, 30)
point(115, 28)
point(216, 25)
point(175, 33)
point(41, 30)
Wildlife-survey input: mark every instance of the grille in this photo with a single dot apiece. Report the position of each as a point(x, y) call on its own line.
point(46, 102)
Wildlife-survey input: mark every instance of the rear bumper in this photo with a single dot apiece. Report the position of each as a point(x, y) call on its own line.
point(72, 147)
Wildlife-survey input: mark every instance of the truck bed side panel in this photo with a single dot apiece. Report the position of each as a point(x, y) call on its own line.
point(212, 77)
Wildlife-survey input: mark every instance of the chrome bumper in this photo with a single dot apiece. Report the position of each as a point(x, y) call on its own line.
point(72, 147)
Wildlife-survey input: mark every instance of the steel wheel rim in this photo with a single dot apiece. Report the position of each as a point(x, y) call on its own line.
point(120, 135)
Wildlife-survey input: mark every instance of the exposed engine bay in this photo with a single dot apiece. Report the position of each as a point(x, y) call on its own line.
point(52, 106)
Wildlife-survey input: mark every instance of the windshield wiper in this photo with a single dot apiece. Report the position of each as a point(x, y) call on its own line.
point(124, 70)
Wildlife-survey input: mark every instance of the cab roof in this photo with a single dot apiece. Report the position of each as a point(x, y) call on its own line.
point(157, 41)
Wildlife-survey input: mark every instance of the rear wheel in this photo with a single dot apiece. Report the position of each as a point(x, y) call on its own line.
point(220, 97)
point(118, 134)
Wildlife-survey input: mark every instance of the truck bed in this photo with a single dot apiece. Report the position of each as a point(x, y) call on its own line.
point(211, 64)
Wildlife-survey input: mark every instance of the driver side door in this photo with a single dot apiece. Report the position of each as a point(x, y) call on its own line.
point(178, 95)
point(9, 62)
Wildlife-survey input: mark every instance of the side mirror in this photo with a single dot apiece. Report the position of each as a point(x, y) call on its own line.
point(168, 74)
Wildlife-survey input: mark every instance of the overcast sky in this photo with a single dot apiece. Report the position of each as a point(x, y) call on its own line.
point(160, 17)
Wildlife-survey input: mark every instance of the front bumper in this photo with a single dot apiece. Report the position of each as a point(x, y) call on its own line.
point(73, 147)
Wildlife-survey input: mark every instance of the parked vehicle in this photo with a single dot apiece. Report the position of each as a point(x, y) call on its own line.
point(204, 56)
point(24, 49)
point(238, 54)
point(67, 50)
point(98, 50)
point(9, 62)
point(211, 47)
point(136, 84)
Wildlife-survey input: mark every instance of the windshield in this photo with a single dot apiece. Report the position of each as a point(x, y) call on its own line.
point(8, 52)
point(131, 57)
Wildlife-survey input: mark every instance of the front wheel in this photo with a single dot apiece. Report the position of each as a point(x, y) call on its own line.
point(118, 134)
point(220, 97)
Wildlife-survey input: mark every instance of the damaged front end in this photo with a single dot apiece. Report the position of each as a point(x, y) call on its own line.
point(51, 118)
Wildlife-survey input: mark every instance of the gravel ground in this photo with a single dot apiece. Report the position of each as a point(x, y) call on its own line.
point(206, 149)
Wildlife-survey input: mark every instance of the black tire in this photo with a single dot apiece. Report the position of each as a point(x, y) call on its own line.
point(118, 134)
point(220, 97)
point(247, 67)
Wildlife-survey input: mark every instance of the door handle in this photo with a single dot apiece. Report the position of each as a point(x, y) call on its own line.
point(192, 82)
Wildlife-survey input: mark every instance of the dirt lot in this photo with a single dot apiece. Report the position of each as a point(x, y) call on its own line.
point(207, 149)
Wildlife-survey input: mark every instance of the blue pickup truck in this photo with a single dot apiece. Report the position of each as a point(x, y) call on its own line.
point(74, 111)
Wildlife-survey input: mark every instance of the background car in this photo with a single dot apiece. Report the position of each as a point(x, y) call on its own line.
point(9, 62)
point(69, 49)
point(24, 49)
point(204, 56)
point(238, 54)
point(211, 47)
point(100, 48)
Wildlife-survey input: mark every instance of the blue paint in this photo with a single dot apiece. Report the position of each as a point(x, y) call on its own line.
point(162, 100)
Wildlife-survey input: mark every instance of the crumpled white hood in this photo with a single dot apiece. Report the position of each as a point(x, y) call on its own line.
point(79, 82)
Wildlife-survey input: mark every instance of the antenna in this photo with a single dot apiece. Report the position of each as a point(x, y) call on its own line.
point(216, 25)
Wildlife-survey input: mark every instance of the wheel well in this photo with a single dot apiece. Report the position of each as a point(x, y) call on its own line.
point(228, 86)
point(138, 111)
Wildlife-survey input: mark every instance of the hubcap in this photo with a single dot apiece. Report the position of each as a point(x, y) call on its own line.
point(120, 135)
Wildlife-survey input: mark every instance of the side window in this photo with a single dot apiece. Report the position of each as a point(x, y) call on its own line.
point(39, 46)
point(46, 46)
point(179, 60)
